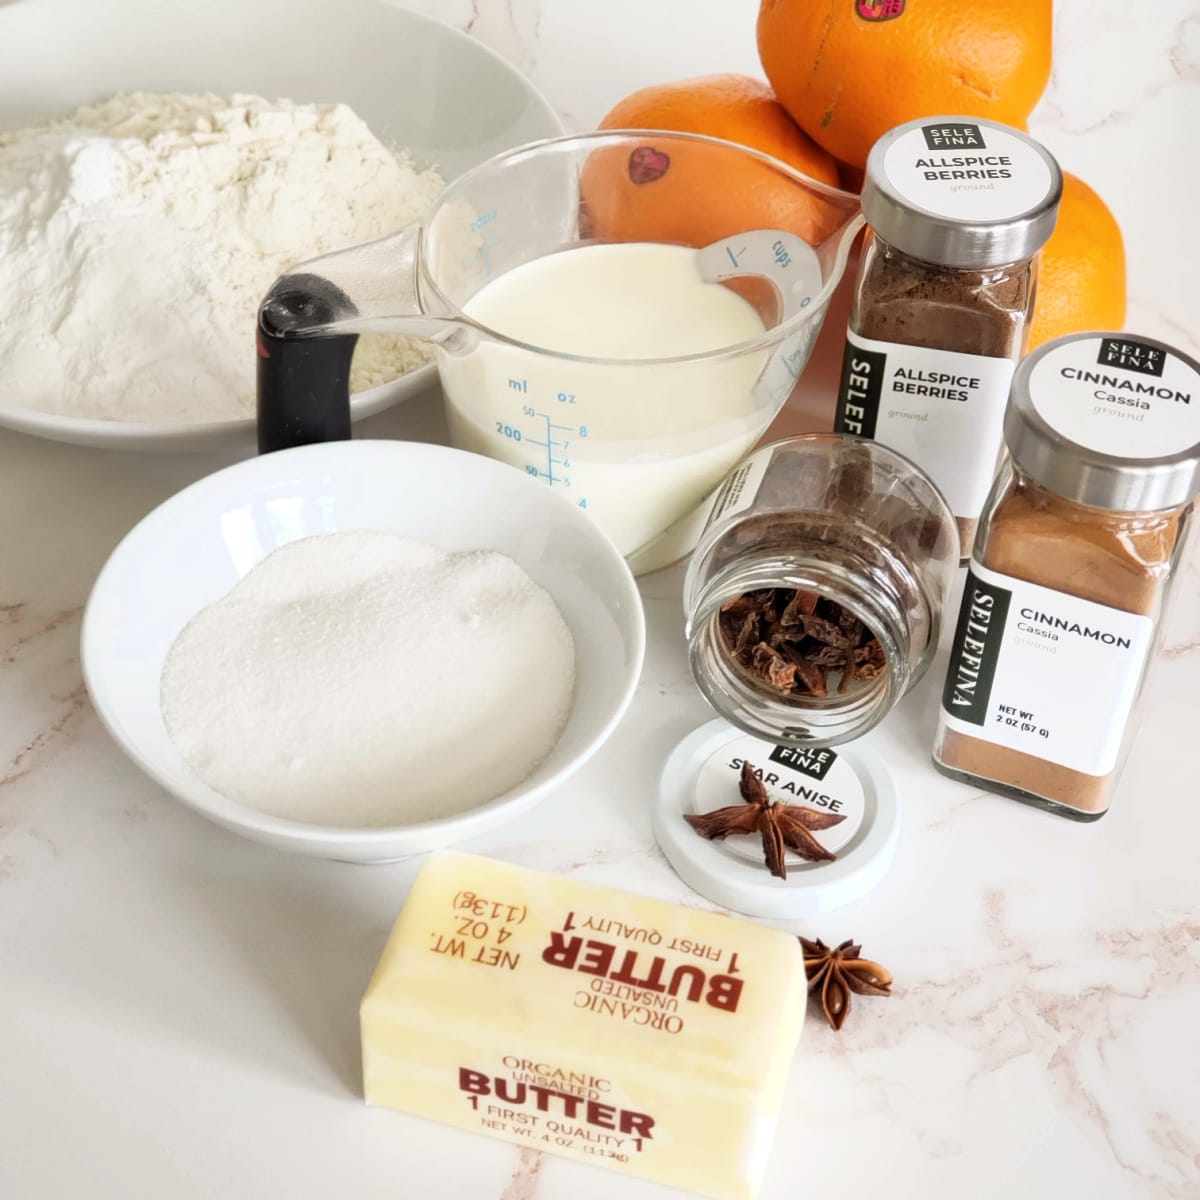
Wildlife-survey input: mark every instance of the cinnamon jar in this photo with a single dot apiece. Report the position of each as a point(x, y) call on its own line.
point(814, 597)
point(1077, 548)
point(958, 208)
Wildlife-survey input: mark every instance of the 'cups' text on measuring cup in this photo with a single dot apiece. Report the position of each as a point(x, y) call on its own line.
point(619, 315)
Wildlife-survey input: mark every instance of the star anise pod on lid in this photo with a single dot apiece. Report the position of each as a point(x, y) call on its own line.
point(781, 826)
point(838, 972)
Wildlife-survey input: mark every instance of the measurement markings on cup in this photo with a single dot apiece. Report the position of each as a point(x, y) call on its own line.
point(551, 443)
point(556, 443)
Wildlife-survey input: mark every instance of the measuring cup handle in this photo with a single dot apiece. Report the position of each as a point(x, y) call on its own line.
point(303, 382)
point(307, 327)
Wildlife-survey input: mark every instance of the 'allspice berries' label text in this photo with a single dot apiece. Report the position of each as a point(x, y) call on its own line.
point(941, 408)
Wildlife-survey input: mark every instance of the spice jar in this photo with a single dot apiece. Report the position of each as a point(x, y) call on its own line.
point(958, 209)
point(814, 597)
point(1076, 550)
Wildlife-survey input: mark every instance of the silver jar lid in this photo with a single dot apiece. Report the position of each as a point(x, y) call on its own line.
point(962, 192)
point(1109, 420)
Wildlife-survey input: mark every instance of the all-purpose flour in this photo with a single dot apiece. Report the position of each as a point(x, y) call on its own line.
point(365, 679)
point(138, 237)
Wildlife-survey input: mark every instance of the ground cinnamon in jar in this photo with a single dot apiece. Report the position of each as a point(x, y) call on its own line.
point(1075, 554)
point(958, 208)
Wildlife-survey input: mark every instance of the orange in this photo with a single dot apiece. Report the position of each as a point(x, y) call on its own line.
point(734, 107)
point(695, 193)
point(1081, 278)
point(850, 70)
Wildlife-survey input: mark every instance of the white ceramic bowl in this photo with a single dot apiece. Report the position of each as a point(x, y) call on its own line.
point(416, 82)
point(192, 549)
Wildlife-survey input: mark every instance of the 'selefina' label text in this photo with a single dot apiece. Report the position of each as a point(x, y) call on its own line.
point(1132, 355)
point(976, 649)
point(860, 391)
point(813, 761)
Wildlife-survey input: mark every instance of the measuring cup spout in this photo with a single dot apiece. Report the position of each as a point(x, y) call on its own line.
point(309, 323)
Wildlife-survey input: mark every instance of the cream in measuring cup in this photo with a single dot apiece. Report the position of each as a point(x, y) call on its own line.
point(588, 427)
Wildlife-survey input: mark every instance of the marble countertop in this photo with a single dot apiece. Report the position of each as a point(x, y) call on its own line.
point(178, 1006)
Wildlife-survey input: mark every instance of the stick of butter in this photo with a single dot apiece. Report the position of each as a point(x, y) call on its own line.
point(607, 1027)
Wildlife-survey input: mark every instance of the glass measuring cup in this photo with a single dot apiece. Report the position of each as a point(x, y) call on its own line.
point(637, 442)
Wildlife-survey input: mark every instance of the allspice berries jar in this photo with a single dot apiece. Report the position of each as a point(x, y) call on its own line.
point(1076, 551)
point(813, 600)
point(958, 209)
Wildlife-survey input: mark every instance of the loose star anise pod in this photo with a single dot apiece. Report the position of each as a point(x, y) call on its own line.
point(781, 826)
point(840, 971)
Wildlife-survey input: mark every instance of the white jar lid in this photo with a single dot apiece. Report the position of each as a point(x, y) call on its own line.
point(1108, 419)
point(962, 191)
point(702, 775)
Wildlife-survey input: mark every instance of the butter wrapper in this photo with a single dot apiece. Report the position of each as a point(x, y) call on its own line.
point(607, 1027)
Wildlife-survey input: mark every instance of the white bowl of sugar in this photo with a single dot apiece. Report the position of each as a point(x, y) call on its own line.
point(516, 646)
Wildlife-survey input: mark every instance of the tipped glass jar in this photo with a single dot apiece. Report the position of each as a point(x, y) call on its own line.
point(814, 598)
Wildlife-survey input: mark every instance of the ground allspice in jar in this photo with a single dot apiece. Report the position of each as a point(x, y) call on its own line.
point(1077, 548)
point(958, 209)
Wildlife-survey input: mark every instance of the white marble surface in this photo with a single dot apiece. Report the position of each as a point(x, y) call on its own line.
point(178, 1007)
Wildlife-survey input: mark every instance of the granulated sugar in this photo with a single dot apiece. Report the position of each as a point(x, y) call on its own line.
point(364, 679)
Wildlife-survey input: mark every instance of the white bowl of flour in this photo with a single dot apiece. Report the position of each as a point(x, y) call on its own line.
point(208, 540)
point(223, 142)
